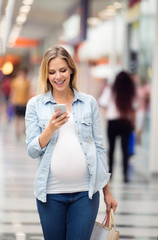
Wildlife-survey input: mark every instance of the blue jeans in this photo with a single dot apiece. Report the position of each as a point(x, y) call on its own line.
point(68, 216)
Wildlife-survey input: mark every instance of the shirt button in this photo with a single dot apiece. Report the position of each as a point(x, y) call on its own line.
point(75, 121)
point(73, 113)
point(81, 143)
point(78, 133)
point(88, 164)
point(91, 175)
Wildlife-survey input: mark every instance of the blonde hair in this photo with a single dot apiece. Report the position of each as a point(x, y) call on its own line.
point(60, 52)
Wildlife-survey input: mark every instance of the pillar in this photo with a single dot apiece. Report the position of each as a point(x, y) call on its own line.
point(154, 107)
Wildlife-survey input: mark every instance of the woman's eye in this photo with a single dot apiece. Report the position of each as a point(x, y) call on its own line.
point(51, 73)
point(64, 70)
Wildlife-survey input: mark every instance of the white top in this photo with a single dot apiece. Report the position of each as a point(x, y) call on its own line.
point(68, 170)
point(106, 100)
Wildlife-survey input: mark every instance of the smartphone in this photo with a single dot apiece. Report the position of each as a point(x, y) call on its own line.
point(61, 107)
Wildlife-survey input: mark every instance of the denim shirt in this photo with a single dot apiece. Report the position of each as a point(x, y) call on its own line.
point(88, 130)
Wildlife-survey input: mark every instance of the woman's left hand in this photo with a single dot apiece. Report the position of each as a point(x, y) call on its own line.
point(110, 202)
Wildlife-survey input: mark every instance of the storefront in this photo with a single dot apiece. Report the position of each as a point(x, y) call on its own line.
point(141, 26)
point(140, 20)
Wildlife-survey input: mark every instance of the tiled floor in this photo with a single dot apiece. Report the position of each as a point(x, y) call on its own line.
point(136, 216)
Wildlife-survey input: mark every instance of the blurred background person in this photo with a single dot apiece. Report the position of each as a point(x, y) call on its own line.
point(143, 91)
point(8, 107)
point(6, 88)
point(20, 94)
point(143, 99)
point(118, 102)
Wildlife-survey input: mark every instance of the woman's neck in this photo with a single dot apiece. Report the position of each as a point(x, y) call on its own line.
point(63, 97)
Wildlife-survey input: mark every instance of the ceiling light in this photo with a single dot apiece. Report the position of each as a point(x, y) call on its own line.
point(21, 19)
point(102, 14)
point(117, 5)
point(7, 68)
point(14, 35)
point(111, 7)
point(106, 13)
point(93, 21)
point(27, 2)
point(110, 12)
point(25, 9)
point(15, 32)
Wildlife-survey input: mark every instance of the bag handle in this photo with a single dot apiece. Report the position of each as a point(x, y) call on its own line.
point(109, 220)
point(106, 220)
point(112, 220)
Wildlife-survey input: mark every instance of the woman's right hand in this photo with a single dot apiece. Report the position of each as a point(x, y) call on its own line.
point(57, 122)
point(54, 124)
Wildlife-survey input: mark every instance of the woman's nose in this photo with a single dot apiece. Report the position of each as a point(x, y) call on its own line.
point(58, 75)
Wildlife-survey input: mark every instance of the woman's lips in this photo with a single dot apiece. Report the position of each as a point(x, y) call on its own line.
point(59, 83)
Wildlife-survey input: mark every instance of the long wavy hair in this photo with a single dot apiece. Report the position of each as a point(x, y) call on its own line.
point(124, 92)
point(54, 52)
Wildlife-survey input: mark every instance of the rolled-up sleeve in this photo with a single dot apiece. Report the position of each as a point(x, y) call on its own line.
point(32, 130)
point(98, 134)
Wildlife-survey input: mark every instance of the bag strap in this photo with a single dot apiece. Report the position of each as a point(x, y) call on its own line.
point(112, 220)
point(109, 220)
point(106, 220)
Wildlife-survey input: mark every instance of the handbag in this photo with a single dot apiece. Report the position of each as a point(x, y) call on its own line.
point(132, 144)
point(105, 231)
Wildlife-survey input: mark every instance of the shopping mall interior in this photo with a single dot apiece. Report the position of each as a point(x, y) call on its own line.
point(104, 37)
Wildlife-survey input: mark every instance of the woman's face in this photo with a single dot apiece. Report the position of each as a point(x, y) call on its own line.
point(59, 74)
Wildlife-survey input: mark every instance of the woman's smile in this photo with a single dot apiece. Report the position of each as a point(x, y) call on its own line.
point(59, 83)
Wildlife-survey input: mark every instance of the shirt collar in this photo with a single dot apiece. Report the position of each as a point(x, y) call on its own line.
point(77, 96)
point(48, 97)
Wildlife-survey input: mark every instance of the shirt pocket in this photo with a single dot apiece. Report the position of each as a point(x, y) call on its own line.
point(86, 128)
point(43, 123)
